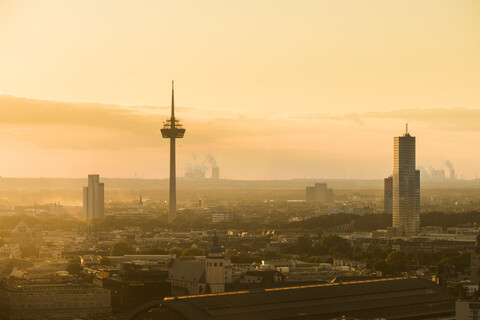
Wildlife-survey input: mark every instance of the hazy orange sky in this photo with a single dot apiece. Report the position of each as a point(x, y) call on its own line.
point(273, 89)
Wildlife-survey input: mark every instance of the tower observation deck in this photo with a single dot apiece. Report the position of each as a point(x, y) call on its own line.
point(172, 129)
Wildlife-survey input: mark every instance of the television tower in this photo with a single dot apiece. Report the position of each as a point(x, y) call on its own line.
point(172, 129)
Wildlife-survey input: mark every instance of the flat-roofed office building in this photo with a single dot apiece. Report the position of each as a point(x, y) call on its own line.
point(40, 299)
point(406, 187)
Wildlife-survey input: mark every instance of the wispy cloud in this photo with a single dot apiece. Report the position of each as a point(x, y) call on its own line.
point(80, 137)
point(54, 124)
point(67, 125)
point(437, 118)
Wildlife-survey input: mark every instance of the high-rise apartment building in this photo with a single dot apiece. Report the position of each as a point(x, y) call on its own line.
point(93, 200)
point(319, 194)
point(388, 195)
point(406, 187)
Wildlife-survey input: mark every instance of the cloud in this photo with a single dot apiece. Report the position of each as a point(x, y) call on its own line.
point(47, 137)
point(69, 125)
point(437, 118)
point(82, 126)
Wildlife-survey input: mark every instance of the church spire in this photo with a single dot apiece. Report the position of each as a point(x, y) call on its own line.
point(215, 248)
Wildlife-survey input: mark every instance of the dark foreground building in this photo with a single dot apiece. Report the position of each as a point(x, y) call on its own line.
point(135, 285)
point(393, 298)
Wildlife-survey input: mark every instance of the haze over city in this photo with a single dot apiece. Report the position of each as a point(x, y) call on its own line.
point(231, 160)
point(281, 90)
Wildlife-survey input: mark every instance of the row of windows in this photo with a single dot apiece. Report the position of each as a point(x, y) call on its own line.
point(57, 305)
point(210, 264)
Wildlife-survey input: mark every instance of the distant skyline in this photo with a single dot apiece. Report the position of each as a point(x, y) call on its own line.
point(272, 89)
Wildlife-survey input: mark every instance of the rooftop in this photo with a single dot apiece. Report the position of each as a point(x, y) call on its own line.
point(316, 300)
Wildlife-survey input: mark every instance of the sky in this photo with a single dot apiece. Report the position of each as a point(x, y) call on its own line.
point(272, 89)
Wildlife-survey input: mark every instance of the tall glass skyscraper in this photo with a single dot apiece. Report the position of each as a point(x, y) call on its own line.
point(406, 187)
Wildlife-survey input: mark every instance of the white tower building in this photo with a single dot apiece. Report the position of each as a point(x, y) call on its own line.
point(215, 268)
point(93, 199)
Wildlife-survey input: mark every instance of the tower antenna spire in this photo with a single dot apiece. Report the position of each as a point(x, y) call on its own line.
point(173, 101)
point(406, 128)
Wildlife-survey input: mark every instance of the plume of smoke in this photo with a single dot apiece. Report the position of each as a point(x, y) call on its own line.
point(211, 159)
point(189, 163)
point(449, 165)
point(452, 170)
point(194, 168)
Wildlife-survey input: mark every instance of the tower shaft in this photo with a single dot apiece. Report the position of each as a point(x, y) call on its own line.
point(173, 172)
point(173, 183)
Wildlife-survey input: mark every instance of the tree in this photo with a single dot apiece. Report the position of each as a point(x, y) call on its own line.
point(303, 245)
point(342, 249)
point(381, 265)
point(243, 248)
point(74, 268)
point(336, 246)
point(245, 259)
point(177, 251)
point(74, 265)
point(122, 248)
point(106, 261)
point(398, 261)
point(270, 255)
point(75, 260)
point(190, 252)
point(155, 251)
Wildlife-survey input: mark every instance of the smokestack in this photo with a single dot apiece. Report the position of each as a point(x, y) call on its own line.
point(215, 173)
point(451, 169)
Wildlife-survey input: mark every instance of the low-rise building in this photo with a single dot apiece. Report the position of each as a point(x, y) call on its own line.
point(467, 310)
point(10, 251)
point(222, 217)
point(52, 298)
